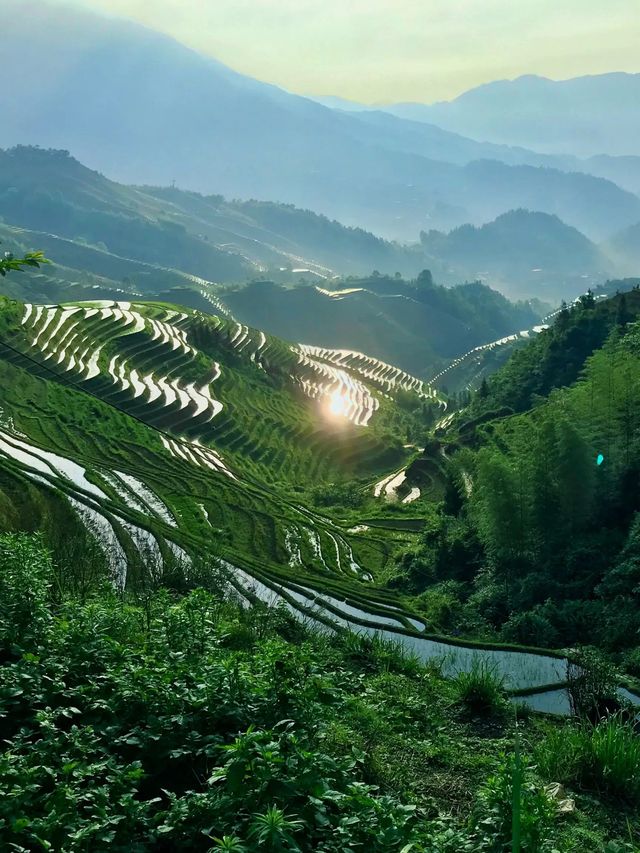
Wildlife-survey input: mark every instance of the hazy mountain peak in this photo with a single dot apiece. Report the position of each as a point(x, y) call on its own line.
point(587, 115)
point(144, 109)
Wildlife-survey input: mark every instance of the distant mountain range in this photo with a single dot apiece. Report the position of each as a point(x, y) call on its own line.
point(85, 221)
point(584, 116)
point(143, 109)
point(588, 124)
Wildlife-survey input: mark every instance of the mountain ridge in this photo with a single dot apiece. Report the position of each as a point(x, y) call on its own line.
point(252, 139)
point(505, 112)
point(233, 241)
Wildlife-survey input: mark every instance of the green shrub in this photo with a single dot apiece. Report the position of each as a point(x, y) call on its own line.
point(481, 690)
point(613, 759)
point(378, 654)
point(189, 724)
point(592, 684)
point(604, 757)
point(632, 662)
point(513, 813)
point(560, 755)
point(26, 575)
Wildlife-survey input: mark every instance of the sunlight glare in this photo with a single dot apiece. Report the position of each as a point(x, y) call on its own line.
point(338, 403)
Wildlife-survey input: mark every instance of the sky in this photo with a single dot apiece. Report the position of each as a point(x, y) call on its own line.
point(381, 51)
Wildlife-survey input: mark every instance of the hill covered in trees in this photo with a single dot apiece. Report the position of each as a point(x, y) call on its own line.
point(207, 236)
point(537, 540)
point(521, 253)
point(416, 324)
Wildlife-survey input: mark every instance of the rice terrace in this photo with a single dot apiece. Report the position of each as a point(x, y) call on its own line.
point(319, 428)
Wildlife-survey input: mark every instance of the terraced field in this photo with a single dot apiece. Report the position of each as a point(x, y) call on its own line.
point(221, 398)
point(385, 377)
point(149, 519)
point(151, 499)
point(128, 424)
point(467, 370)
point(204, 378)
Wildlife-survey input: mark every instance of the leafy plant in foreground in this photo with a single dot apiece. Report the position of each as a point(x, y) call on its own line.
point(613, 759)
point(8, 263)
point(515, 814)
point(25, 580)
point(592, 684)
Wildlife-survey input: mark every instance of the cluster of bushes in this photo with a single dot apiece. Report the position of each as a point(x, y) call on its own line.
point(184, 722)
point(603, 758)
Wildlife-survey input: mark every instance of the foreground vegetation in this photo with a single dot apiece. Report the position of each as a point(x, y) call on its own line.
point(175, 719)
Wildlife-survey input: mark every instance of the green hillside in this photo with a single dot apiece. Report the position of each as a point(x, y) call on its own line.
point(285, 462)
point(174, 471)
point(316, 538)
point(521, 253)
point(414, 324)
point(417, 324)
point(543, 469)
point(227, 429)
point(207, 236)
point(103, 227)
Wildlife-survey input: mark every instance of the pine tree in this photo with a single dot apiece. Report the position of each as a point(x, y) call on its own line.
point(587, 300)
point(563, 318)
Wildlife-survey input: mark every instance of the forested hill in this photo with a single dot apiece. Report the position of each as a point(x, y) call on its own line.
point(208, 236)
point(538, 538)
point(415, 324)
point(556, 357)
point(521, 252)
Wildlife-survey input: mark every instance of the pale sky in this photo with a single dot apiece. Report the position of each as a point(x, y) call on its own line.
point(398, 50)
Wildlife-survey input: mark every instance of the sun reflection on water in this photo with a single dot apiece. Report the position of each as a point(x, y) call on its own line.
point(338, 403)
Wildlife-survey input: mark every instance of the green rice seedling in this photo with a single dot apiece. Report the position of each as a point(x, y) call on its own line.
point(391, 656)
